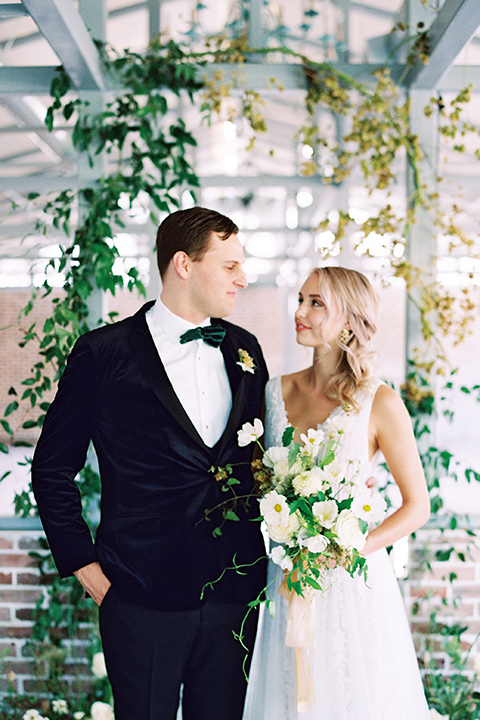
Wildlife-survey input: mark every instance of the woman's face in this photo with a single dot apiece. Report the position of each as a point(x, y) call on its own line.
point(313, 323)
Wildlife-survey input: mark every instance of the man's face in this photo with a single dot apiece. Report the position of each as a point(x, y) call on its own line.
point(216, 279)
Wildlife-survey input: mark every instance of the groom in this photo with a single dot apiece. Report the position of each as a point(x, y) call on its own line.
point(161, 395)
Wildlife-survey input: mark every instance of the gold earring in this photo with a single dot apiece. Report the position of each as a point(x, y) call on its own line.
point(345, 336)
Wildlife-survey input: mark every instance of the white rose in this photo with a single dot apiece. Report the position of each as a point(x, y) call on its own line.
point(326, 512)
point(280, 557)
point(101, 711)
point(281, 533)
point(308, 483)
point(348, 531)
point(99, 668)
point(274, 508)
point(317, 543)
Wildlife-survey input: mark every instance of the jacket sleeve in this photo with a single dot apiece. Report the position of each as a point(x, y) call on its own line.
point(60, 454)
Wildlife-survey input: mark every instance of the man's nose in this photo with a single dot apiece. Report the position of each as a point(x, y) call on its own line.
point(241, 279)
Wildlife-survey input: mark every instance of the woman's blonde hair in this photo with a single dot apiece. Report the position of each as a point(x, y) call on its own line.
point(349, 292)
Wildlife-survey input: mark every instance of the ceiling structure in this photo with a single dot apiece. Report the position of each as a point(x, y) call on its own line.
point(263, 190)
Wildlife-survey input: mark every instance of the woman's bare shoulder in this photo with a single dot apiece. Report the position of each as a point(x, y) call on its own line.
point(292, 382)
point(388, 403)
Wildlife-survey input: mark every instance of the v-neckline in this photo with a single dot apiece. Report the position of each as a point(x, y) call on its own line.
point(334, 412)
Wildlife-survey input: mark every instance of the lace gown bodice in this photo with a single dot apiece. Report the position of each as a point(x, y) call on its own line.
point(363, 664)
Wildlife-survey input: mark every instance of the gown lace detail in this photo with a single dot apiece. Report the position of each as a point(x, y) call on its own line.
point(363, 664)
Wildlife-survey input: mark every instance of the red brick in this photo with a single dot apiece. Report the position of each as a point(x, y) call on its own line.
point(32, 543)
point(15, 632)
point(5, 579)
point(14, 595)
point(28, 579)
point(466, 610)
point(15, 560)
point(20, 667)
point(8, 649)
point(4, 614)
point(470, 591)
point(465, 571)
point(24, 614)
point(34, 686)
point(421, 592)
point(5, 544)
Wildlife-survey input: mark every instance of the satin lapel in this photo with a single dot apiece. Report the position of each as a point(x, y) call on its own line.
point(154, 372)
point(239, 383)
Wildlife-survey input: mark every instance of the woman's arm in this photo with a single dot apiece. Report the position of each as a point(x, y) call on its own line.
point(391, 431)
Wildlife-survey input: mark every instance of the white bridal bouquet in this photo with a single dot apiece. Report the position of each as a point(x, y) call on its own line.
point(311, 504)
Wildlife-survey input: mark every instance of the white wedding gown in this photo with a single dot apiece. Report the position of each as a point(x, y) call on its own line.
point(363, 663)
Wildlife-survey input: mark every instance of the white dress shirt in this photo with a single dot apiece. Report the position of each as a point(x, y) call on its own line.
point(196, 371)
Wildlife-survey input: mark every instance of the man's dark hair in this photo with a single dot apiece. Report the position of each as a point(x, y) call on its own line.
point(190, 230)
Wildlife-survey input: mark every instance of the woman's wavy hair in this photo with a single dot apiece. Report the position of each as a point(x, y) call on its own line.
point(349, 292)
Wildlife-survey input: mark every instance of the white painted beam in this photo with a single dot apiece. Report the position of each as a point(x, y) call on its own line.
point(454, 26)
point(62, 26)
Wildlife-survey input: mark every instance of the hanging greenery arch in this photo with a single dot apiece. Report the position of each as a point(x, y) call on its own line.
point(148, 153)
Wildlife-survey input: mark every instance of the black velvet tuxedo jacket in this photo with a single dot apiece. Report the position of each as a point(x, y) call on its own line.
point(153, 542)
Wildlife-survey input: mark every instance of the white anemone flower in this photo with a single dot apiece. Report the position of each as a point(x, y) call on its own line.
point(326, 512)
point(369, 506)
point(31, 714)
point(274, 455)
point(279, 557)
point(317, 543)
point(334, 473)
point(274, 508)
point(249, 433)
point(60, 707)
point(337, 425)
point(312, 441)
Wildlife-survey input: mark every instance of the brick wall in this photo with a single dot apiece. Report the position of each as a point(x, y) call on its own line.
point(454, 602)
point(20, 588)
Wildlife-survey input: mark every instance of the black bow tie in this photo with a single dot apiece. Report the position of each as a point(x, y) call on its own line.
point(211, 334)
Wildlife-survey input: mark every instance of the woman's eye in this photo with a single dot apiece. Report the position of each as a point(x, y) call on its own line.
point(317, 303)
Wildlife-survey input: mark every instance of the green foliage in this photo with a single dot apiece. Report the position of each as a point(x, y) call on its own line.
point(455, 694)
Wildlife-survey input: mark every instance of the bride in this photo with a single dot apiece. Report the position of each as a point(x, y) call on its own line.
point(363, 660)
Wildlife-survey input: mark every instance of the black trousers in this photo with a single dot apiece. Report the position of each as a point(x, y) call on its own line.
point(151, 653)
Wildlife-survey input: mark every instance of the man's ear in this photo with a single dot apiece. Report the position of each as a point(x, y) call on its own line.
point(182, 263)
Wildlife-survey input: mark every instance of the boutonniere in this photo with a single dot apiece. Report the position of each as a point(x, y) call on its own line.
point(246, 361)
